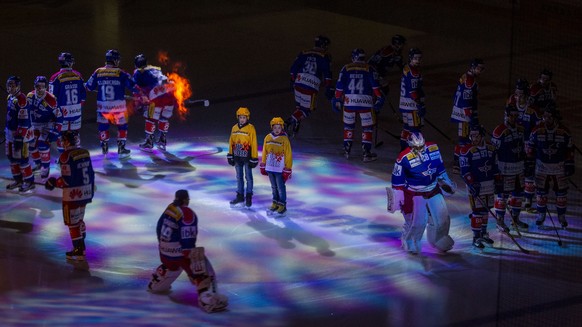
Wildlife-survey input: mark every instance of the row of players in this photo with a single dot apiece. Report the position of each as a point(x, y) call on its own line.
point(35, 120)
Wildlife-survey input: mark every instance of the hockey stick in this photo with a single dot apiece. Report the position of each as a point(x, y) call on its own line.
point(555, 229)
point(205, 102)
point(526, 251)
point(376, 143)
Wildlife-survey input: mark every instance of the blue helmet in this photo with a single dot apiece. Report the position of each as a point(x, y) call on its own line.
point(13, 80)
point(398, 40)
point(358, 54)
point(66, 60)
point(322, 42)
point(112, 57)
point(140, 61)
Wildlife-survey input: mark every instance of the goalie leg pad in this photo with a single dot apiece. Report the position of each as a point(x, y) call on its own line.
point(163, 278)
point(439, 222)
point(198, 261)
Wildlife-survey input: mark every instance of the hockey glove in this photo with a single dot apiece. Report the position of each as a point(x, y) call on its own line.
point(253, 162)
point(569, 168)
point(230, 159)
point(286, 174)
point(336, 105)
point(421, 109)
point(378, 104)
point(498, 188)
point(50, 184)
point(263, 170)
point(329, 93)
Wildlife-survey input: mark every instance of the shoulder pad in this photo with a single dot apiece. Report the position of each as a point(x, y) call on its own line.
point(402, 154)
point(50, 99)
point(174, 212)
point(21, 100)
point(406, 70)
point(498, 131)
point(432, 147)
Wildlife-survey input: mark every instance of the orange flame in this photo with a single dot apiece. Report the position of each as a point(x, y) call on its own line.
point(181, 91)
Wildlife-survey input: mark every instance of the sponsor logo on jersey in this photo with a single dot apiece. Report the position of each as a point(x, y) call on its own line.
point(188, 232)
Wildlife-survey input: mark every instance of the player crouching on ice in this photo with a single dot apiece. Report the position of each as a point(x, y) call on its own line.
point(276, 162)
point(177, 230)
point(418, 180)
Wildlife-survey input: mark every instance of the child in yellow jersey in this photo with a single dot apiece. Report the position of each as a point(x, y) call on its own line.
point(276, 162)
point(243, 155)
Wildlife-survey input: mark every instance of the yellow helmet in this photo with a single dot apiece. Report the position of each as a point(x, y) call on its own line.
point(243, 111)
point(277, 121)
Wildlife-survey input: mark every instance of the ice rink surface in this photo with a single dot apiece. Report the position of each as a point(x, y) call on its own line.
point(335, 260)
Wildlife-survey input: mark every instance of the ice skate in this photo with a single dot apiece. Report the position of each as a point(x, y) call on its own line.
point(122, 152)
point(347, 150)
point(478, 242)
point(148, 144)
point(519, 224)
point(485, 238)
point(161, 144)
point(76, 255)
point(369, 156)
point(14, 186)
point(238, 201)
point(104, 147)
point(292, 127)
point(26, 187)
point(562, 220)
point(541, 219)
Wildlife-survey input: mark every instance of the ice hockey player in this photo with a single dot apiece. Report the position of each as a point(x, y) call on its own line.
point(520, 98)
point(309, 72)
point(509, 141)
point(157, 101)
point(543, 91)
point(411, 104)
point(77, 182)
point(385, 59)
point(550, 153)
point(418, 182)
point(358, 93)
point(479, 171)
point(277, 163)
point(465, 105)
point(47, 121)
point(243, 155)
point(177, 231)
point(68, 86)
point(110, 83)
point(19, 134)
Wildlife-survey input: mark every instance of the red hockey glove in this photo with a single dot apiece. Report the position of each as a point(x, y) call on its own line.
point(263, 170)
point(286, 174)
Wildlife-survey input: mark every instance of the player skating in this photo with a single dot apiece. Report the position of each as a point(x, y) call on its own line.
point(77, 182)
point(309, 72)
point(110, 83)
point(177, 231)
point(358, 93)
point(418, 180)
point(243, 155)
point(277, 163)
point(19, 134)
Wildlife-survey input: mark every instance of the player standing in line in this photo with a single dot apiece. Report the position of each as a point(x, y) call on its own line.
point(110, 82)
point(68, 86)
point(509, 141)
point(543, 91)
point(157, 101)
point(19, 134)
point(411, 104)
point(479, 171)
point(358, 93)
point(310, 70)
point(177, 231)
point(243, 155)
point(47, 121)
point(520, 98)
point(465, 104)
point(277, 163)
point(77, 181)
point(385, 59)
point(550, 154)
point(418, 180)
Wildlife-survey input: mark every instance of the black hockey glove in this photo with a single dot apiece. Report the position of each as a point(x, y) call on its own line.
point(253, 162)
point(50, 184)
point(230, 159)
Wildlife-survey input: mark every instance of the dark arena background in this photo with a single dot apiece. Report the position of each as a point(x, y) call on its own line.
point(335, 260)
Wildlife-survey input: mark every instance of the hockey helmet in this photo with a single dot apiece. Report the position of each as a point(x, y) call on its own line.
point(322, 42)
point(112, 57)
point(243, 111)
point(547, 72)
point(476, 62)
point(140, 61)
point(71, 136)
point(416, 142)
point(66, 60)
point(412, 52)
point(277, 121)
point(398, 40)
point(522, 84)
point(358, 55)
point(13, 84)
point(41, 79)
point(180, 197)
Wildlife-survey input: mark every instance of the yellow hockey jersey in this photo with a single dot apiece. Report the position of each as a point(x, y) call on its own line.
point(277, 153)
point(243, 142)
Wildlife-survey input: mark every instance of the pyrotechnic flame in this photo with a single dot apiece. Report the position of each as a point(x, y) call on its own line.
point(182, 92)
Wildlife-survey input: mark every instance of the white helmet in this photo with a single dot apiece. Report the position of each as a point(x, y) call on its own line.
point(416, 143)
